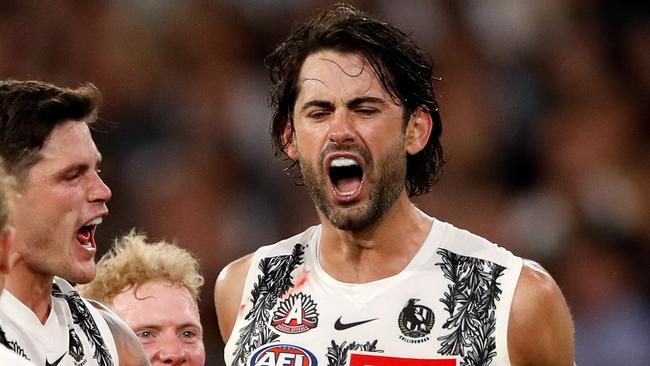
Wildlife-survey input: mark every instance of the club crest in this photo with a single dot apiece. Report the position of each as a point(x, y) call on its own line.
point(296, 314)
point(415, 322)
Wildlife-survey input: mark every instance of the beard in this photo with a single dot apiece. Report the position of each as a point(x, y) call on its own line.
point(47, 252)
point(386, 178)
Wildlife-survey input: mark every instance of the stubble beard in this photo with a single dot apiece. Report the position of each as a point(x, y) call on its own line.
point(50, 256)
point(386, 184)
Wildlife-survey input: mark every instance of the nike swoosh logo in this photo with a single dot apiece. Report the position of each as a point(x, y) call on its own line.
point(343, 326)
point(47, 363)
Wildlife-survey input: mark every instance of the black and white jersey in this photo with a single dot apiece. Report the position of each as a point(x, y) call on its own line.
point(449, 306)
point(74, 334)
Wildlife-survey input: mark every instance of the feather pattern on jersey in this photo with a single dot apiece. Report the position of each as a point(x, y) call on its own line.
point(82, 317)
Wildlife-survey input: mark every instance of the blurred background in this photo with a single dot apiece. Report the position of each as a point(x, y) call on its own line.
point(545, 108)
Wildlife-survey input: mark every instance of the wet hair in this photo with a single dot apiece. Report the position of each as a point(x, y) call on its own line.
point(402, 67)
point(30, 110)
point(133, 262)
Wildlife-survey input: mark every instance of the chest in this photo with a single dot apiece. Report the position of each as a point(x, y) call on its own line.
point(435, 314)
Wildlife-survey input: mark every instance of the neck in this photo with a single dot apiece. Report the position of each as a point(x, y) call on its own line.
point(393, 241)
point(31, 289)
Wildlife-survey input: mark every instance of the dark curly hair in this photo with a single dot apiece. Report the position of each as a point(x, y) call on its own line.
point(30, 110)
point(403, 69)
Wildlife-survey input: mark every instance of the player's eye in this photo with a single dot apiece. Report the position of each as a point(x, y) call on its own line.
point(188, 334)
point(144, 334)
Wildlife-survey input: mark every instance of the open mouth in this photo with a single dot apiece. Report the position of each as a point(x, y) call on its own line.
point(346, 176)
point(86, 234)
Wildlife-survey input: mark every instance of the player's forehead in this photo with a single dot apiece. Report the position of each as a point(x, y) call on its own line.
point(338, 73)
point(71, 137)
point(157, 302)
point(349, 63)
point(68, 144)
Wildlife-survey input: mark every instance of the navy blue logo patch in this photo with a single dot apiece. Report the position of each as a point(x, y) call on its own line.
point(282, 355)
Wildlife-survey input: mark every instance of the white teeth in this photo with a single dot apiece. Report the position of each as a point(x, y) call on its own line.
point(96, 221)
point(342, 162)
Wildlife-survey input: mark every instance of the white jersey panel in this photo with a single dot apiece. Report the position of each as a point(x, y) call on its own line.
point(10, 358)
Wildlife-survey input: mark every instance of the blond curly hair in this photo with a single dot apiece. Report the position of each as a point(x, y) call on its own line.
point(133, 262)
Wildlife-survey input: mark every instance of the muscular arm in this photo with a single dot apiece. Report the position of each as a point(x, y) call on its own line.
point(228, 292)
point(128, 346)
point(540, 330)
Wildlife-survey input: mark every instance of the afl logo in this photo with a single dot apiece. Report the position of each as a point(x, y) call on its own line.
point(282, 355)
point(297, 314)
point(415, 322)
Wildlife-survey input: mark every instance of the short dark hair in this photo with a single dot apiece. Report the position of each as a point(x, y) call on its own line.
point(30, 110)
point(402, 67)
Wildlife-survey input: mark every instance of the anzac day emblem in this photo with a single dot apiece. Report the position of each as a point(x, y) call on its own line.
point(296, 314)
point(415, 322)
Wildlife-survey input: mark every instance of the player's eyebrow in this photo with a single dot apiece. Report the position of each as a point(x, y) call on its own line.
point(317, 103)
point(366, 99)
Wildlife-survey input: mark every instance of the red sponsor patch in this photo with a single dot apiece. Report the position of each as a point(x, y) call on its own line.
point(357, 359)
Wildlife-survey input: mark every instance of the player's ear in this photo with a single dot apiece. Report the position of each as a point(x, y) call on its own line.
point(289, 141)
point(418, 131)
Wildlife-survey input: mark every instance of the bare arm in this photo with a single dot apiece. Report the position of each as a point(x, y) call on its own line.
point(540, 330)
point(228, 293)
point(128, 346)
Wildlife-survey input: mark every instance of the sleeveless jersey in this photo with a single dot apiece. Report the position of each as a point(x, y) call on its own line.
point(448, 307)
point(74, 334)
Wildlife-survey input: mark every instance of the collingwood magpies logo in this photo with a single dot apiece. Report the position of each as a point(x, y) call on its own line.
point(415, 322)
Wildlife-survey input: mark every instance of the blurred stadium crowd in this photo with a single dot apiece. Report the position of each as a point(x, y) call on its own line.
point(545, 108)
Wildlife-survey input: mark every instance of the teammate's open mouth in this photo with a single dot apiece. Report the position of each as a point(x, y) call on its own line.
point(346, 176)
point(86, 234)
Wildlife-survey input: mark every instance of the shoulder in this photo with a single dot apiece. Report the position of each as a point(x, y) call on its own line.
point(228, 291)
point(231, 279)
point(230, 282)
point(465, 243)
point(229, 286)
point(540, 330)
point(129, 348)
point(234, 270)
